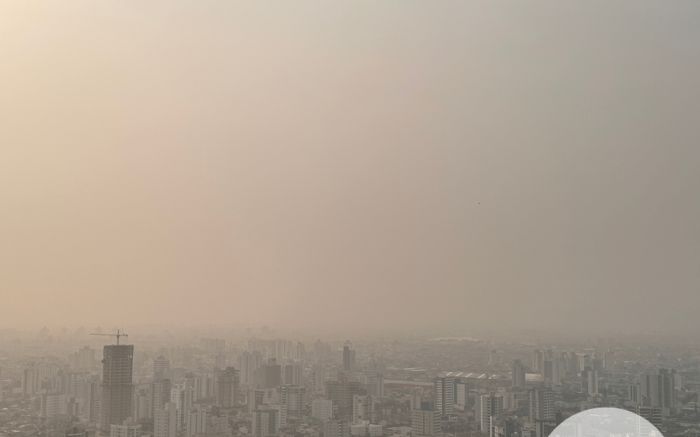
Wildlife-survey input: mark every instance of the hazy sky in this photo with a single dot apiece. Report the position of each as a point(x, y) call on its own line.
point(427, 164)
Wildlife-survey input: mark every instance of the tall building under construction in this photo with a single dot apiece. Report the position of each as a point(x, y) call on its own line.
point(117, 385)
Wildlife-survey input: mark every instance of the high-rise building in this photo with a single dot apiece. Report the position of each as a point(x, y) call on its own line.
point(142, 403)
point(248, 363)
point(182, 396)
point(657, 389)
point(444, 389)
point(268, 375)
point(227, 385)
point(547, 370)
point(117, 386)
point(461, 394)
point(489, 407)
point(319, 375)
point(425, 420)
point(165, 421)
point(538, 361)
point(255, 398)
point(160, 393)
point(552, 369)
point(265, 422)
point(542, 404)
point(557, 371)
point(653, 415)
point(633, 393)
point(292, 398)
point(83, 359)
point(589, 381)
point(348, 357)
point(52, 405)
point(322, 409)
point(91, 400)
point(292, 374)
point(299, 351)
point(584, 361)
point(364, 408)
point(341, 393)
point(203, 385)
point(518, 374)
point(374, 384)
point(196, 421)
point(31, 380)
point(571, 360)
point(542, 411)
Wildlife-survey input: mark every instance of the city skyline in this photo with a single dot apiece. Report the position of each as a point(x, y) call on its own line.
point(363, 218)
point(269, 386)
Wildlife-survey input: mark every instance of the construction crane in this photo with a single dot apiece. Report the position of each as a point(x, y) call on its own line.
point(118, 334)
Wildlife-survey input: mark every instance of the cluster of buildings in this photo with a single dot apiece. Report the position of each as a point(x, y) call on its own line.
point(261, 392)
point(535, 397)
point(281, 388)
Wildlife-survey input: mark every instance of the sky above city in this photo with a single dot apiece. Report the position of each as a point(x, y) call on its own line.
point(397, 165)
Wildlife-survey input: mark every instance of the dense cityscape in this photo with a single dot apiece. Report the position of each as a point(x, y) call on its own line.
point(414, 218)
point(83, 383)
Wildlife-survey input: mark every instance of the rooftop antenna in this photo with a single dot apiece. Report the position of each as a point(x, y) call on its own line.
point(118, 334)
